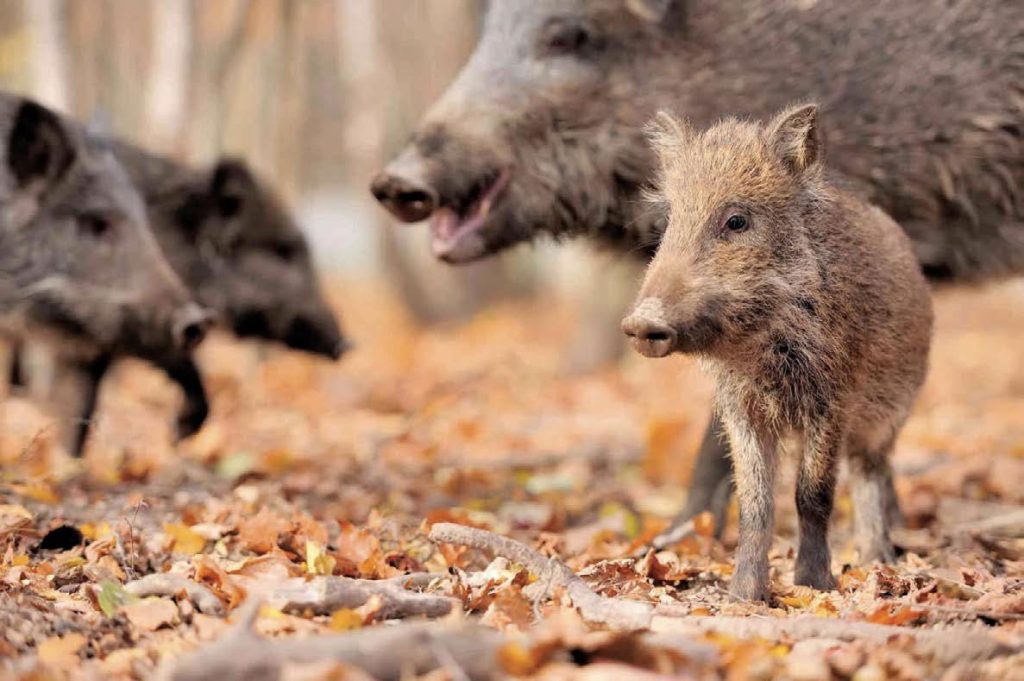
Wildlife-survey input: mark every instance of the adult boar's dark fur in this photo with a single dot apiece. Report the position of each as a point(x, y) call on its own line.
point(541, 131)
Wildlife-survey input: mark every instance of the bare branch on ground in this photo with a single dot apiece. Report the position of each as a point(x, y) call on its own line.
point(613, 613)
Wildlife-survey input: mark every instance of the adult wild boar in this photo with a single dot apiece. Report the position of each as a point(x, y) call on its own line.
point(78, 263)
point(242, 256)
point(541, 132)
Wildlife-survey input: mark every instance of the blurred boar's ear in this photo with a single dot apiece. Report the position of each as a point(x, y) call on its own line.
point(795, 137)
point(39, 150)
point(667, 135)
point(232, 181)
point(650, 10)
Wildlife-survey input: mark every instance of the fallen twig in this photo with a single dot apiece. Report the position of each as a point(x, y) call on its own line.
point(166, 584)
point(324, 595)
point(383, 652)
point(1006, 524)
point(610, 612)
point(946, 645)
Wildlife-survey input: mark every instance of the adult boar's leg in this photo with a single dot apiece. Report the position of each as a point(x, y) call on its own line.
point(76, 393)
point(711, 486)
point(196, 408)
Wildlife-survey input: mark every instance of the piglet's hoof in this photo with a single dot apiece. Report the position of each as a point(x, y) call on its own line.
point(747, 586)
point(872, 551)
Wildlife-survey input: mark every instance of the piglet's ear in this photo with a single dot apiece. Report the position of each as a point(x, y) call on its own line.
point(39, 151)
point(667, 135)
point(795, 136)
point(230, 184)
point(650, 10)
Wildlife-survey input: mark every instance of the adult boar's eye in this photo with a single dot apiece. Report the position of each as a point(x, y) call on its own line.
point(94, 225)
point(736, 223)
point(567, 38)
point(286, 252)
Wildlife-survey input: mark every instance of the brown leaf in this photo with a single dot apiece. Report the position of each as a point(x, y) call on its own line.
point(359, 553)
point(260, 532)
point(220, 582)
point(13, 518)
point(149, 614)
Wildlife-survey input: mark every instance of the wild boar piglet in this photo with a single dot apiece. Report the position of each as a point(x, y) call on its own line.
point(807, 306)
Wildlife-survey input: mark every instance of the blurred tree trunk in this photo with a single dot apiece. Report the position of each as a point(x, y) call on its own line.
point(49, 67)
point(164, 117)
point(394, 68)
point(14, 44)
point(218, 30)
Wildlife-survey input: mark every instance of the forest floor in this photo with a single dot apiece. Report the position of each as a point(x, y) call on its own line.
point(325, 495)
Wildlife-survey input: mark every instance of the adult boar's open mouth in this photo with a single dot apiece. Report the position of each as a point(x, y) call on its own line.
point(456, 229)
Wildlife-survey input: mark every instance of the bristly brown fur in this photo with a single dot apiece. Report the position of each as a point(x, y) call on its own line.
point(820, 319)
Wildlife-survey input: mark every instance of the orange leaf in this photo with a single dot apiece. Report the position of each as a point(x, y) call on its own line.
point(210, 573)
point(704, 524)
point(186, 540)
point(61, 651)
point(259, 533)
point(345, 619)
point(516, 659)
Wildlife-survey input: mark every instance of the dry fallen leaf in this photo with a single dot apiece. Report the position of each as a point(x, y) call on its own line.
point(61, 651)
point(185, 540)
point(149, 614)
point(259, 533)
point(12, 518)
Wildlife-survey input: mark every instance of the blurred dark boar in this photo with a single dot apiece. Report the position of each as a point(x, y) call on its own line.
point(810, 311)
point(238, 249)
point(242, 256)
point(77, 258)
point(541, 131)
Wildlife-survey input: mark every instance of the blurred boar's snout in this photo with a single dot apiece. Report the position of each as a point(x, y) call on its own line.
point(191, 323)
point(647, 328)
point(402, 189)
point(318, 334)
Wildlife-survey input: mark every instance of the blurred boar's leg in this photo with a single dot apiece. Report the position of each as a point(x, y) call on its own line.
point(196, 408)
point(77, 390)
point(75, 393)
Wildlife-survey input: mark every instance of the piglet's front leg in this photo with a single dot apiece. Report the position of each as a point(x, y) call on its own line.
point(815, 495)
point(754, 459)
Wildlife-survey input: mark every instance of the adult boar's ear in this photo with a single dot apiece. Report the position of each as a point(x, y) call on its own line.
point(795, 136)
point(231, 183)
point(651, 10)
point(39, 150)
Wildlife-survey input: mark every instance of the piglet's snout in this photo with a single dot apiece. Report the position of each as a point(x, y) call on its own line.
point(652, 336)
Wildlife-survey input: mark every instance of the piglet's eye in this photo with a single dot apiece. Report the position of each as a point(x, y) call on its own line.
point(94, 225)
point(736, 223)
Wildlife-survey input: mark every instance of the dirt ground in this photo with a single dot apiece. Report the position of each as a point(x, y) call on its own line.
point(311, 476)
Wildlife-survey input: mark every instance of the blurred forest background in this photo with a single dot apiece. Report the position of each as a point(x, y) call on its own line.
point(316, 95)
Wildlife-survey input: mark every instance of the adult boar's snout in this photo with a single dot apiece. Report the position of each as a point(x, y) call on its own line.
point(651, 336)
point(191, 323)
point(403, 191)
point(318, 334)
